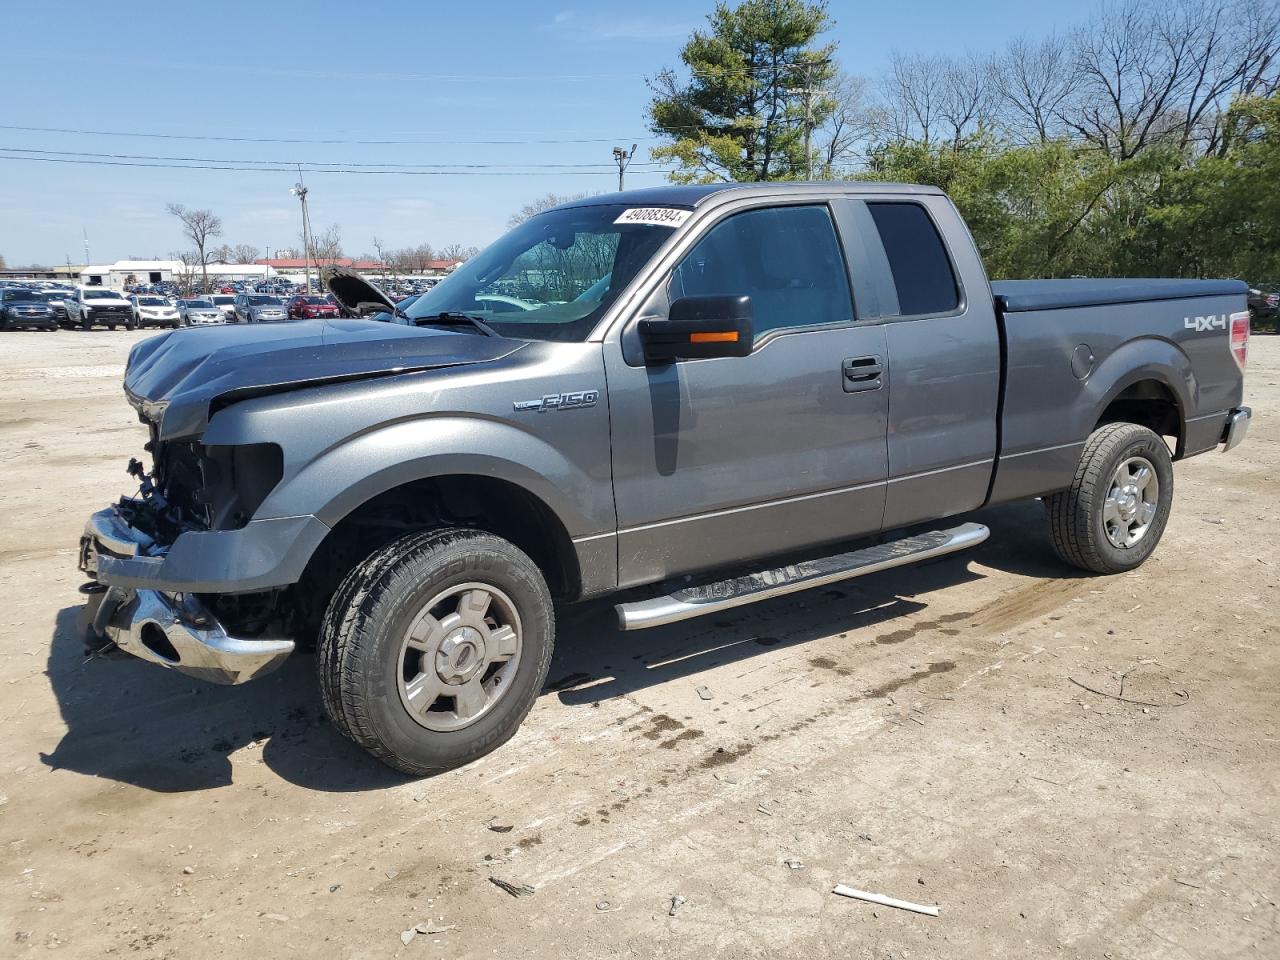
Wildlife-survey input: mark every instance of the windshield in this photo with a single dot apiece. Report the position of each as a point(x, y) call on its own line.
point(198, 304)
point(552, 277)
point(103, 294)
point(223, 301)
point(20, 294)
point(153, 302)
point(265, 302)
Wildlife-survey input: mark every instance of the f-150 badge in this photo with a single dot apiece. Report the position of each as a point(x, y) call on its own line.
point(559, 401)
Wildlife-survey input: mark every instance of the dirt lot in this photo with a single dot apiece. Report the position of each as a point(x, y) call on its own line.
point(915, 733)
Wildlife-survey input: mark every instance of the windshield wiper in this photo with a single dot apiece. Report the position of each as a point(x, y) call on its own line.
point(448, 318)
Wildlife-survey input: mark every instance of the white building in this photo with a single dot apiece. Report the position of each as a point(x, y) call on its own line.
point(127, 273)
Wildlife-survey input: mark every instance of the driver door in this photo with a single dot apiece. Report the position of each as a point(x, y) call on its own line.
point(718, 461)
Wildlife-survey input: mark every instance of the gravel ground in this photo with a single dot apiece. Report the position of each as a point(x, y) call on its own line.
point(916, 733)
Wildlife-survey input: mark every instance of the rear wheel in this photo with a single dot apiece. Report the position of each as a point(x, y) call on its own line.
point(433, 650)
point(1112, 516)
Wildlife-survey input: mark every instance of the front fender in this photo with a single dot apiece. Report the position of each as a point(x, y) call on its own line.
point(349, 474)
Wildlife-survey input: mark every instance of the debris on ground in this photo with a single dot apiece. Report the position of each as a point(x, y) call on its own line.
point(502, 827)
point(604, 906)
point(843, 891)
point(676, 903)
point(188, 870)
point(705, 693)
point(426, 929)
point(794, 864)
point(515, 889)
point(406, 936)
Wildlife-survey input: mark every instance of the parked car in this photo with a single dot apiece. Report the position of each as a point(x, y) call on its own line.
point(23, 308)
point(1263, 304)
point(88, 307)
point(310, 308)
point(199, 311)
point(225, 303)
point(56, 298)
point(714, 427)
point(259, 308)
point(153, 311)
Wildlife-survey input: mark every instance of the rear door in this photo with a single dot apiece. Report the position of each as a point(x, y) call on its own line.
point(944, 350)
point(718, 461)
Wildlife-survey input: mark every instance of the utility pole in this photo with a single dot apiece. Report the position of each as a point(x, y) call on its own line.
point(623, 159)
point(300, 191)
point(808, 92)
point(86, 246)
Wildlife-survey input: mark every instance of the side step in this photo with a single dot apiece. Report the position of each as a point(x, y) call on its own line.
point(765, 584)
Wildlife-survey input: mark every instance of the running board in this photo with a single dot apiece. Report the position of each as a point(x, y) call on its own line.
point(765, 584)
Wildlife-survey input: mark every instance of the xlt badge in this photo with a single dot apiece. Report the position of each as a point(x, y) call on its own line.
point(559, 401)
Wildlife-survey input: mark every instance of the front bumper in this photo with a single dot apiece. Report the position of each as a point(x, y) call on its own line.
point(1237, 428)
point(176, 631)
point(261, 555)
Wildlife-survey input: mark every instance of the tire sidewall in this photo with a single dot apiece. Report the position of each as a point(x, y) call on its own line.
point(1153, 449)
point(409, 585)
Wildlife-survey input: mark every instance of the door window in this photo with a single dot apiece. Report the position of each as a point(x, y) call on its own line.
point(786, 259)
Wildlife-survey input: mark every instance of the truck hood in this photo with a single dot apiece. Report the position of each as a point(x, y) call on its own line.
point(174, 379)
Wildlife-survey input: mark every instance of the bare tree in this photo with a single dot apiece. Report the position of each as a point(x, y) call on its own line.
point(1031, 82)
point(545, 202)
point(1151, 71)
point(186, 280)
point(326, 245)
point(853, 120)
point(200, 226)
point(220, 254)
point(966, 97)
point(244, 253)
point(914, 90)
point(456, 251)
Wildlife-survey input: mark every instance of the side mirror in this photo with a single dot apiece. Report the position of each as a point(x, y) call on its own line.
point(697, 328)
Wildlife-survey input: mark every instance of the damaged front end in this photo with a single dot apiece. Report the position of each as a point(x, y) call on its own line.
point(141, 604)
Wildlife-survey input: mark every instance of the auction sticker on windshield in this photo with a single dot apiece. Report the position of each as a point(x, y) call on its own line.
point(654, 216)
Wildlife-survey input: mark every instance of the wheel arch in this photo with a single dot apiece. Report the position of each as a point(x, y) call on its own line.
point(1148, 381)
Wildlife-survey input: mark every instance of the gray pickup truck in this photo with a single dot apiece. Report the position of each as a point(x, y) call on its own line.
point(689, 397)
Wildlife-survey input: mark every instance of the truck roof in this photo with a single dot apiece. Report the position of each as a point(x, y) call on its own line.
point(696, 194)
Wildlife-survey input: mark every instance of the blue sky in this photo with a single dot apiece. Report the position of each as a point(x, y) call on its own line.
point(460, 72)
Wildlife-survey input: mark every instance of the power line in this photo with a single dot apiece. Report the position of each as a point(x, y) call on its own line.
point(315, 163)
point(259, 169)
point(328, 142)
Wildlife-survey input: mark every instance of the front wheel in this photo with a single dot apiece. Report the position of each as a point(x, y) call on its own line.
point(433, 650)
point(1112, 516)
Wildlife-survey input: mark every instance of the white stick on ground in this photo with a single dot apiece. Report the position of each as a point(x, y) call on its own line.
point(884, 901)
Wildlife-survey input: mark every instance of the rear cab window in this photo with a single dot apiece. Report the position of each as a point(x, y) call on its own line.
point(922, 273)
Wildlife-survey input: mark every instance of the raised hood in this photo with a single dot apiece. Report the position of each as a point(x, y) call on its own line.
point(354, 292)
point(173, 379)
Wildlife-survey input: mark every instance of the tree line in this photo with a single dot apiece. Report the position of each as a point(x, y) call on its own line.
point(1144, 141)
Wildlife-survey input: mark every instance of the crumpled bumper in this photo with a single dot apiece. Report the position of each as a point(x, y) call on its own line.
point(261, 555)
point(179, 633)
point(143, 598)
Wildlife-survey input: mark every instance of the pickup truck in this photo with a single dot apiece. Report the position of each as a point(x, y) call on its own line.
point(716, 395)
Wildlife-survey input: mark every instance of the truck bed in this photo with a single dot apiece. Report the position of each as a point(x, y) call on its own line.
point(1070, 346)
point(1020, 296)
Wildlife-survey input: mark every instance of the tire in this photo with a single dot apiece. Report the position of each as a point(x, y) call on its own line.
point(85, 323)
point(368, 672)
point(1089, 532)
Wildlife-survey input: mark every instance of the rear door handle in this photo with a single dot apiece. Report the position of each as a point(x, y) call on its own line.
point(862, 373)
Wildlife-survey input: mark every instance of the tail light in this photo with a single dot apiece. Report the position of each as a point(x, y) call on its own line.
point(1240, 338)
